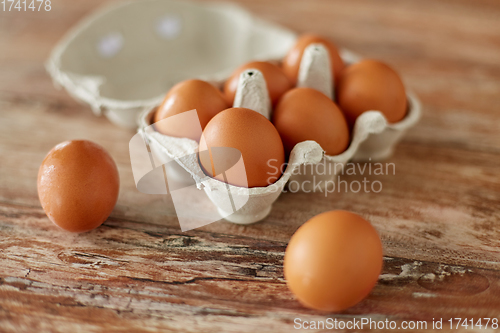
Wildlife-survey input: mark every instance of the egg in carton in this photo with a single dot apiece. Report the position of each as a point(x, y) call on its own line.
point(124, 57)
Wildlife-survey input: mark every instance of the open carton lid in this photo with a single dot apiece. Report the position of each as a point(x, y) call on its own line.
point(127, 56)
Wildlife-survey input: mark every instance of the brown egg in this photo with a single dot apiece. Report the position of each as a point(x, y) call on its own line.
point(306, 114)
point(276, 81)
point(254, 136)
point(78, 185)
point(371, 85)
point(186, 96)
point(291, 63)
point(333, 261)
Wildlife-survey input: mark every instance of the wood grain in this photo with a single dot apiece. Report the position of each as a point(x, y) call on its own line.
point(437, 216)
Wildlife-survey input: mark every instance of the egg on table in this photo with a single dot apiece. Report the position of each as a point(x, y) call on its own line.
point(78, 185)
point(333, 261)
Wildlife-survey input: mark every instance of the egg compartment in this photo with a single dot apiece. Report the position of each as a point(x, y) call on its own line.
point(124, 57)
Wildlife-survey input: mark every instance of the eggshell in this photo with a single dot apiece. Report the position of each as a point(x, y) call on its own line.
point(78, 185)
point(333, 261)
point(276, 81)
point(306, 114)
point(188, 95)
point(292, 60)
point(254, 136)
point(371, 85)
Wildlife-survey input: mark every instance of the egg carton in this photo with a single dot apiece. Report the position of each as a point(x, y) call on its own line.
point(124, 57)
point(373, 138)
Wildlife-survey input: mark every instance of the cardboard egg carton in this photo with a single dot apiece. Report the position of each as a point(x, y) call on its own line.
point(373, 138)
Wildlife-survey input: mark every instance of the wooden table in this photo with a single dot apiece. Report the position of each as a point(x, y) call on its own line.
point(438, 215)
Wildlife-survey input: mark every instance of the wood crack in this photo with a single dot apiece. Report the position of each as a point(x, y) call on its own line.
point(194, 280)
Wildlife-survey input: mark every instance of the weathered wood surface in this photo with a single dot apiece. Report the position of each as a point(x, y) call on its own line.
point(138, 272)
